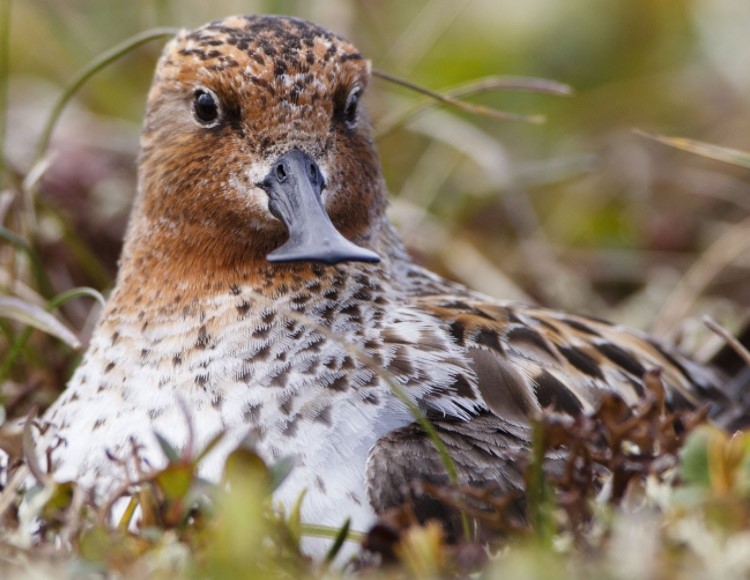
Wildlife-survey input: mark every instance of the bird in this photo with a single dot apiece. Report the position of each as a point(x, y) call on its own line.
point(263, 292)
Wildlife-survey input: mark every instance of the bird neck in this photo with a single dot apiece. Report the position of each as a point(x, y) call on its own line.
point(162, 264)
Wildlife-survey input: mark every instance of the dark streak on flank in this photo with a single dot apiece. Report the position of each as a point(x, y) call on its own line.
point(489, 339)
point(582, 361)
point(580, 326)
point(621, 358)
point(550, 392)
point(523, 334)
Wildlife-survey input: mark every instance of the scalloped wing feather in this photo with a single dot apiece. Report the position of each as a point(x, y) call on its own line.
point(527, 358)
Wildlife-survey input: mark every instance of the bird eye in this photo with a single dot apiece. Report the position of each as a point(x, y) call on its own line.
point(351, 108)
point(206, 107)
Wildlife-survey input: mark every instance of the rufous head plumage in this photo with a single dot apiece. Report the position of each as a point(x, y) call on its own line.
point(227, 100)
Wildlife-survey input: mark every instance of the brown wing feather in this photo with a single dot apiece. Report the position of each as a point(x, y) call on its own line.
point(485, 451)
point(527, 358)
point(524, 359)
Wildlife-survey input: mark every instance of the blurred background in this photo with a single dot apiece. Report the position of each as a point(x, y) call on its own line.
point(579, 213)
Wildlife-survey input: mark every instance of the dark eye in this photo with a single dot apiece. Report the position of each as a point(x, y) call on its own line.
point(351, 108)
point(206, 107)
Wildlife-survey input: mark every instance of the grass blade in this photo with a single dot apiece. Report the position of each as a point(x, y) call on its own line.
point(724, 154)
point(470, 89)
point(457, 103)
point(33, 315)
point(339, 541)
point(36, 264)
point(5, 10)
point(167, 448)
point(57, 301)
point(90, 70)
point(63, 297)
point(321, 531)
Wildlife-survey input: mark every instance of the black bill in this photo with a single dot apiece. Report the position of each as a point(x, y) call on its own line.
point(294, 185)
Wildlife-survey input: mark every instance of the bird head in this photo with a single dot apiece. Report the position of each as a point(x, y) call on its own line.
point(255, 145)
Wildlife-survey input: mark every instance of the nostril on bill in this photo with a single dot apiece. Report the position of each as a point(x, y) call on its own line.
point(281, 173)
